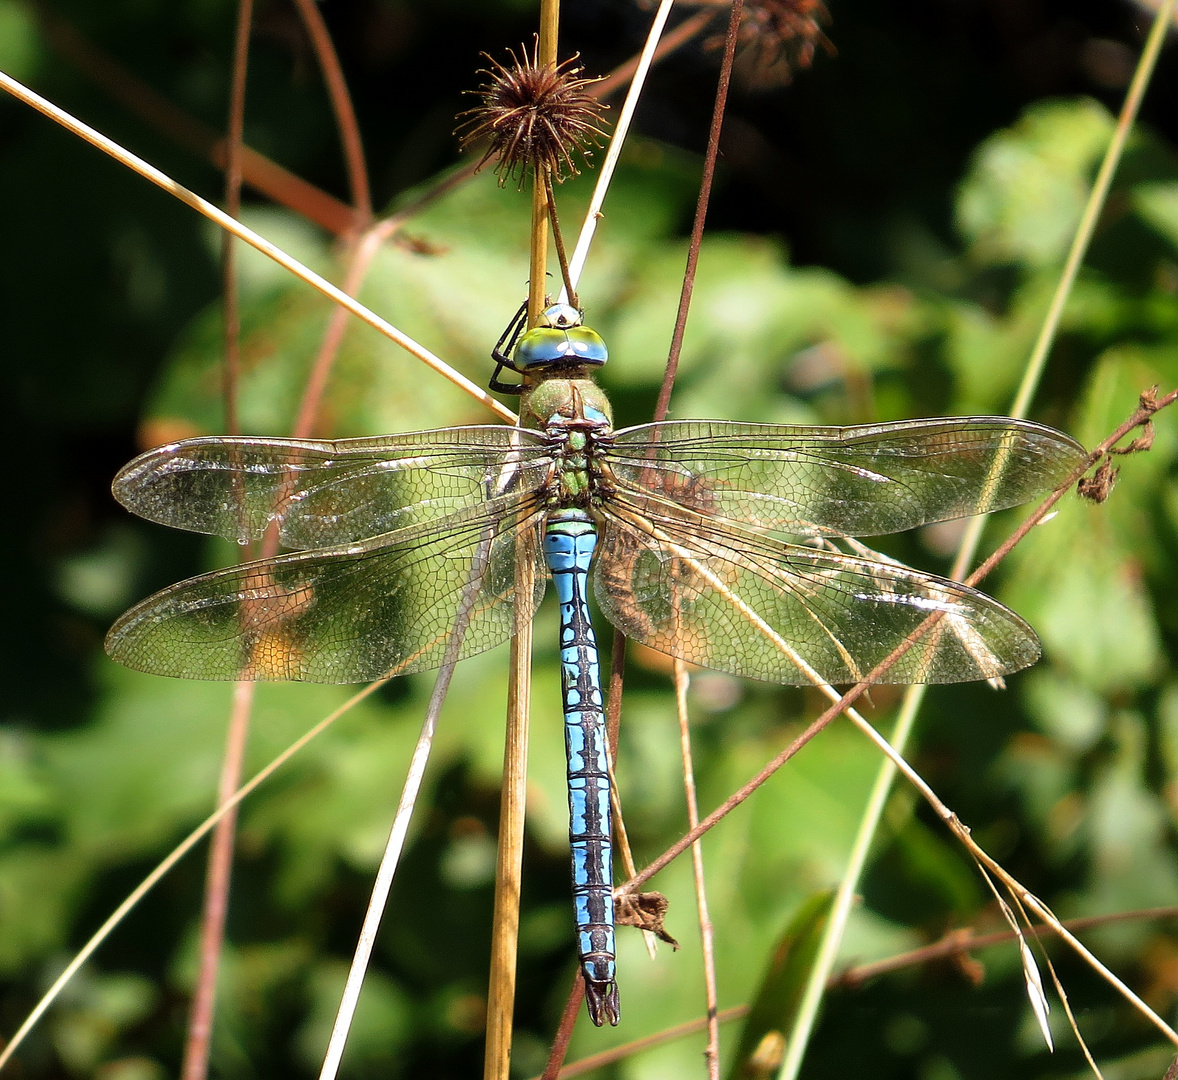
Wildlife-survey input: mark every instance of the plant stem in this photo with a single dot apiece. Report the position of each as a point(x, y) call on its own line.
point(701, 213)
point(219, 874)
point(558, 242)
point(706, 933)
point(383, 882)
point(509, 858)
point(341, 104)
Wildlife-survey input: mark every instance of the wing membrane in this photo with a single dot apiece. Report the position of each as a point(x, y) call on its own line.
point(716, 595)
point(321, 493)
point(857, 481)
point(407, 601)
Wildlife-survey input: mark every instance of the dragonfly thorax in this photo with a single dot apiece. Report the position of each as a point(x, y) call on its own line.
point(579, 473)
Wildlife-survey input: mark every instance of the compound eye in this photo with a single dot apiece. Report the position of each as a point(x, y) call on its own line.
point(560, 316)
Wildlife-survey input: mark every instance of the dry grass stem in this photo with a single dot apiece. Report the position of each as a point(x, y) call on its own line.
point(513, 797)
point(956, 946)
point(383, 882)
point(215, 909)
point(215, 214)
point(166, 864)
point(706, 933)
point(1150, 405)
point(616, 142)
point(509, 861)
point(1016, 888)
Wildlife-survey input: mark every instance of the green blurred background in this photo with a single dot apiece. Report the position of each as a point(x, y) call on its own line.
point(885, 237)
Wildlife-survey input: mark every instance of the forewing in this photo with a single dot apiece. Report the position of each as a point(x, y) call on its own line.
point(726, 598)
point(323, 494)
point(857, 481)
point(407, 601)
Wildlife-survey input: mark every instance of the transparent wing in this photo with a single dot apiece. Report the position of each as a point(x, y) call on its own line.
point(407, 601)
point(723, 597)
point(858, 481)
point(328, 493)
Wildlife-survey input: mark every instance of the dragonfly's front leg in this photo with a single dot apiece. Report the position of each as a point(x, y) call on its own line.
point(569, 541)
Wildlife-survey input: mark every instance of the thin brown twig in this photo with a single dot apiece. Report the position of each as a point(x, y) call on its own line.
point(141, 100)
point(564, 1030)
point(1139, 417)
point(234, 136)
point(961, 942)
point(341, 105)
point(647, 1042)
point(701, 212)
point(671, 40)
point(219, 875)
point(558, 241)
point(221, 853)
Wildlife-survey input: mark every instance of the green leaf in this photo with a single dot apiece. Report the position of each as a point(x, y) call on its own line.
point(1028, 184)
point(774, 1006)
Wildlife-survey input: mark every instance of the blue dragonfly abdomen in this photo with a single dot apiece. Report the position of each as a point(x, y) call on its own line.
point(570, 537)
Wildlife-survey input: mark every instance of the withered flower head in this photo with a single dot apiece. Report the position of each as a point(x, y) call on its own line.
point(533, 115)
point(777, 37)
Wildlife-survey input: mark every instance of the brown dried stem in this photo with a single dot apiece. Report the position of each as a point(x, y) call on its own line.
point(701, 212)
point(341, 104)
point(558, 241)
point(216, 899)
point(1148, 405)
point(564, 1030)
point(513, 797)
point(220, 865)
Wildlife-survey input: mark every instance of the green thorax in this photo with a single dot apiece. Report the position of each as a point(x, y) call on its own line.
point(556, 358)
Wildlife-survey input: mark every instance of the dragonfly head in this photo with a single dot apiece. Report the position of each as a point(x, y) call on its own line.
point(559, 340)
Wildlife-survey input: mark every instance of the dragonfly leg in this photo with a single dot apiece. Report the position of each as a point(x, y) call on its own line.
point(568, 546)
point(501, 353)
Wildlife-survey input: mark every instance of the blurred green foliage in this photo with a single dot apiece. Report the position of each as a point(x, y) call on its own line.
point(918, 300)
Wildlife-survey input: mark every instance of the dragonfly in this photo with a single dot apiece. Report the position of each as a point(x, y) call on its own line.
point(720, 543)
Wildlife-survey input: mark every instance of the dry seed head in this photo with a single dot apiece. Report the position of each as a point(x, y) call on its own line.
point(777, 37)
point(533, 116)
